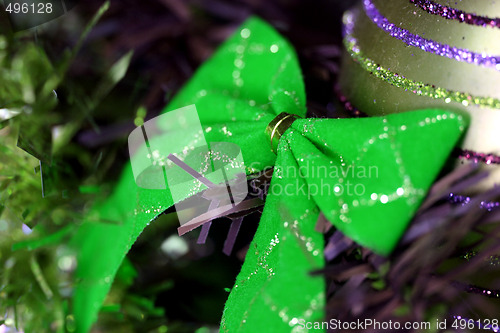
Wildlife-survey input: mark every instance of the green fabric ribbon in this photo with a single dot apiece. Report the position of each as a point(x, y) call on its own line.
point(367, 176)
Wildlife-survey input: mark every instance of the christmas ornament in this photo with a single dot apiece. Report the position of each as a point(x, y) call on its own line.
point(367, 176)
point(405, 55)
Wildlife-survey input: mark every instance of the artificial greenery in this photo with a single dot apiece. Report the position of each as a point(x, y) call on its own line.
point(47, 179)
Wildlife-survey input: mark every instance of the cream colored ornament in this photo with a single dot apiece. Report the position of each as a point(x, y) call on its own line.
point(404, 55)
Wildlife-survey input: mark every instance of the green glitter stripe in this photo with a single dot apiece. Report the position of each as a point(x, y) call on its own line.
point(418, 88)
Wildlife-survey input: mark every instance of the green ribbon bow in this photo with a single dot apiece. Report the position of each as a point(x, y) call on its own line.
point(367, 176)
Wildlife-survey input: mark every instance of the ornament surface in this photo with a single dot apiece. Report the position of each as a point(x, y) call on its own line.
point(406, 55)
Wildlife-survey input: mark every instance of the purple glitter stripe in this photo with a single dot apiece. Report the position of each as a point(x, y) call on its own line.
point(472, 289)
point(478, 157)
point(463, 200)
point(455, 14)
point(443, 50)
point(351, 109)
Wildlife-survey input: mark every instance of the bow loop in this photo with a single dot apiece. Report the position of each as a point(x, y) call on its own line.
point(367, 176)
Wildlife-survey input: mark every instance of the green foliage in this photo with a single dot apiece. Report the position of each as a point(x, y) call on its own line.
point(40, 189)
